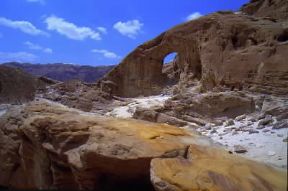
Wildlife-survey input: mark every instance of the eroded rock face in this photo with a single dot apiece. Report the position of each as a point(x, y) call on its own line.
point(237, 51)
point(77, 94)
point(275, 9)
point(208, 168)
point(16, 86)
point(44, 146)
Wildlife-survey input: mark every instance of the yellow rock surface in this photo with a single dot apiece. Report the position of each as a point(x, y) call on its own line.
point(212, 169)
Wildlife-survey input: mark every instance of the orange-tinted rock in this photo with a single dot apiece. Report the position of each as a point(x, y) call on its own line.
point(46, 146)
point(212, 169)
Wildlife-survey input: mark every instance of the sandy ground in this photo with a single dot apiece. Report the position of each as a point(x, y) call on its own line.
point(265, 145)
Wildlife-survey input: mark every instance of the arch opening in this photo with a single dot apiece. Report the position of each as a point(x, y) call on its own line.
point(169, 58)
point(170, 68)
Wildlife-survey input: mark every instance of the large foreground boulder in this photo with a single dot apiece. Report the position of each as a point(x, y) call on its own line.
point(49, 146)
point(212, 169)
point(44, 146)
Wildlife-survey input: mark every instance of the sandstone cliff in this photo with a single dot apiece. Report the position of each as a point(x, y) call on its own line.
point(229, 49)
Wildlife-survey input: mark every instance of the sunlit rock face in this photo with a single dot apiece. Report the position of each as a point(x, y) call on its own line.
point(211, 169)
point(46, 146)
point(237, 51)
point(49, 146)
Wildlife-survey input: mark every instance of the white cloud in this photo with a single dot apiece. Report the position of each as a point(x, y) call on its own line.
point(193, 16)
point(106, 53)
point(24, 26)
point(17, 56)
point(33, 46)
point(36, 1)
point(129, 28)
point(70, 30)
point(102, 30)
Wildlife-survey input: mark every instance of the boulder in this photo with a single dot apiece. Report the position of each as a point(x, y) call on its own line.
point(49, 146)
point(212, 104)
point(212, 169)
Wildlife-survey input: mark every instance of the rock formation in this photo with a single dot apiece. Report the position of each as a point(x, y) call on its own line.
point(49, 146)
point(227, 49)
point(275, 9)
point(76, 94)
point(17, 86)
point(213, 170)
point(46, 146)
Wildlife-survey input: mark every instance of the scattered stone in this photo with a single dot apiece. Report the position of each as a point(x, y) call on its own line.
point(268, 119)
point(280, 124)
point(280, 135)
point(240, 118)
point(239, 149)
point(260, 127)
point(266, 130)
point(285, 140)
point(252, 131)
point(262, 116)
point(229, 123)
point(213, 131)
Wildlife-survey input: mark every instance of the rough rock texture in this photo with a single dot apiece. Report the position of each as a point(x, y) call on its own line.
point(44, 146)
point(210, 169)
point(232, 50)
point(198, 108)
point(17, 86)
point(275, 9)
point(63, 72)
point(77, 94)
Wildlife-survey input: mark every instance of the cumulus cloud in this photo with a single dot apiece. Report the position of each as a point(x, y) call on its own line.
point(129, 28)
point(106, 53)
point(24, 26)
point(70, 30)
point(193, 16)
point(33, 46)
point(17, 56)
point(102, 30)
point(36, 1)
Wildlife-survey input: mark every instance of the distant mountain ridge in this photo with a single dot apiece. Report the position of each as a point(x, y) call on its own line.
point(63, 72)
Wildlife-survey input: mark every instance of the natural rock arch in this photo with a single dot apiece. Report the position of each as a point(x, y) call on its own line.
point(222, 48)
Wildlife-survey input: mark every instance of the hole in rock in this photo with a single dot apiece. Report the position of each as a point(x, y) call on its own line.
point(109, 182)
point(170, 58)
point(283, 37)
point(170, 68)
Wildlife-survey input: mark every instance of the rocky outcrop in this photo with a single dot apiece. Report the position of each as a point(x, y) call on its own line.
point(44, 146)
point(212, 169)
point(16, 86)
point(63, 72)
point(79, 95)
point(199, 108)
point(274, 9)
point(227, 49)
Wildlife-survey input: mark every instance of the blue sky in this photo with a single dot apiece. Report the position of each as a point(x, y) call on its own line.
point(91, 32)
